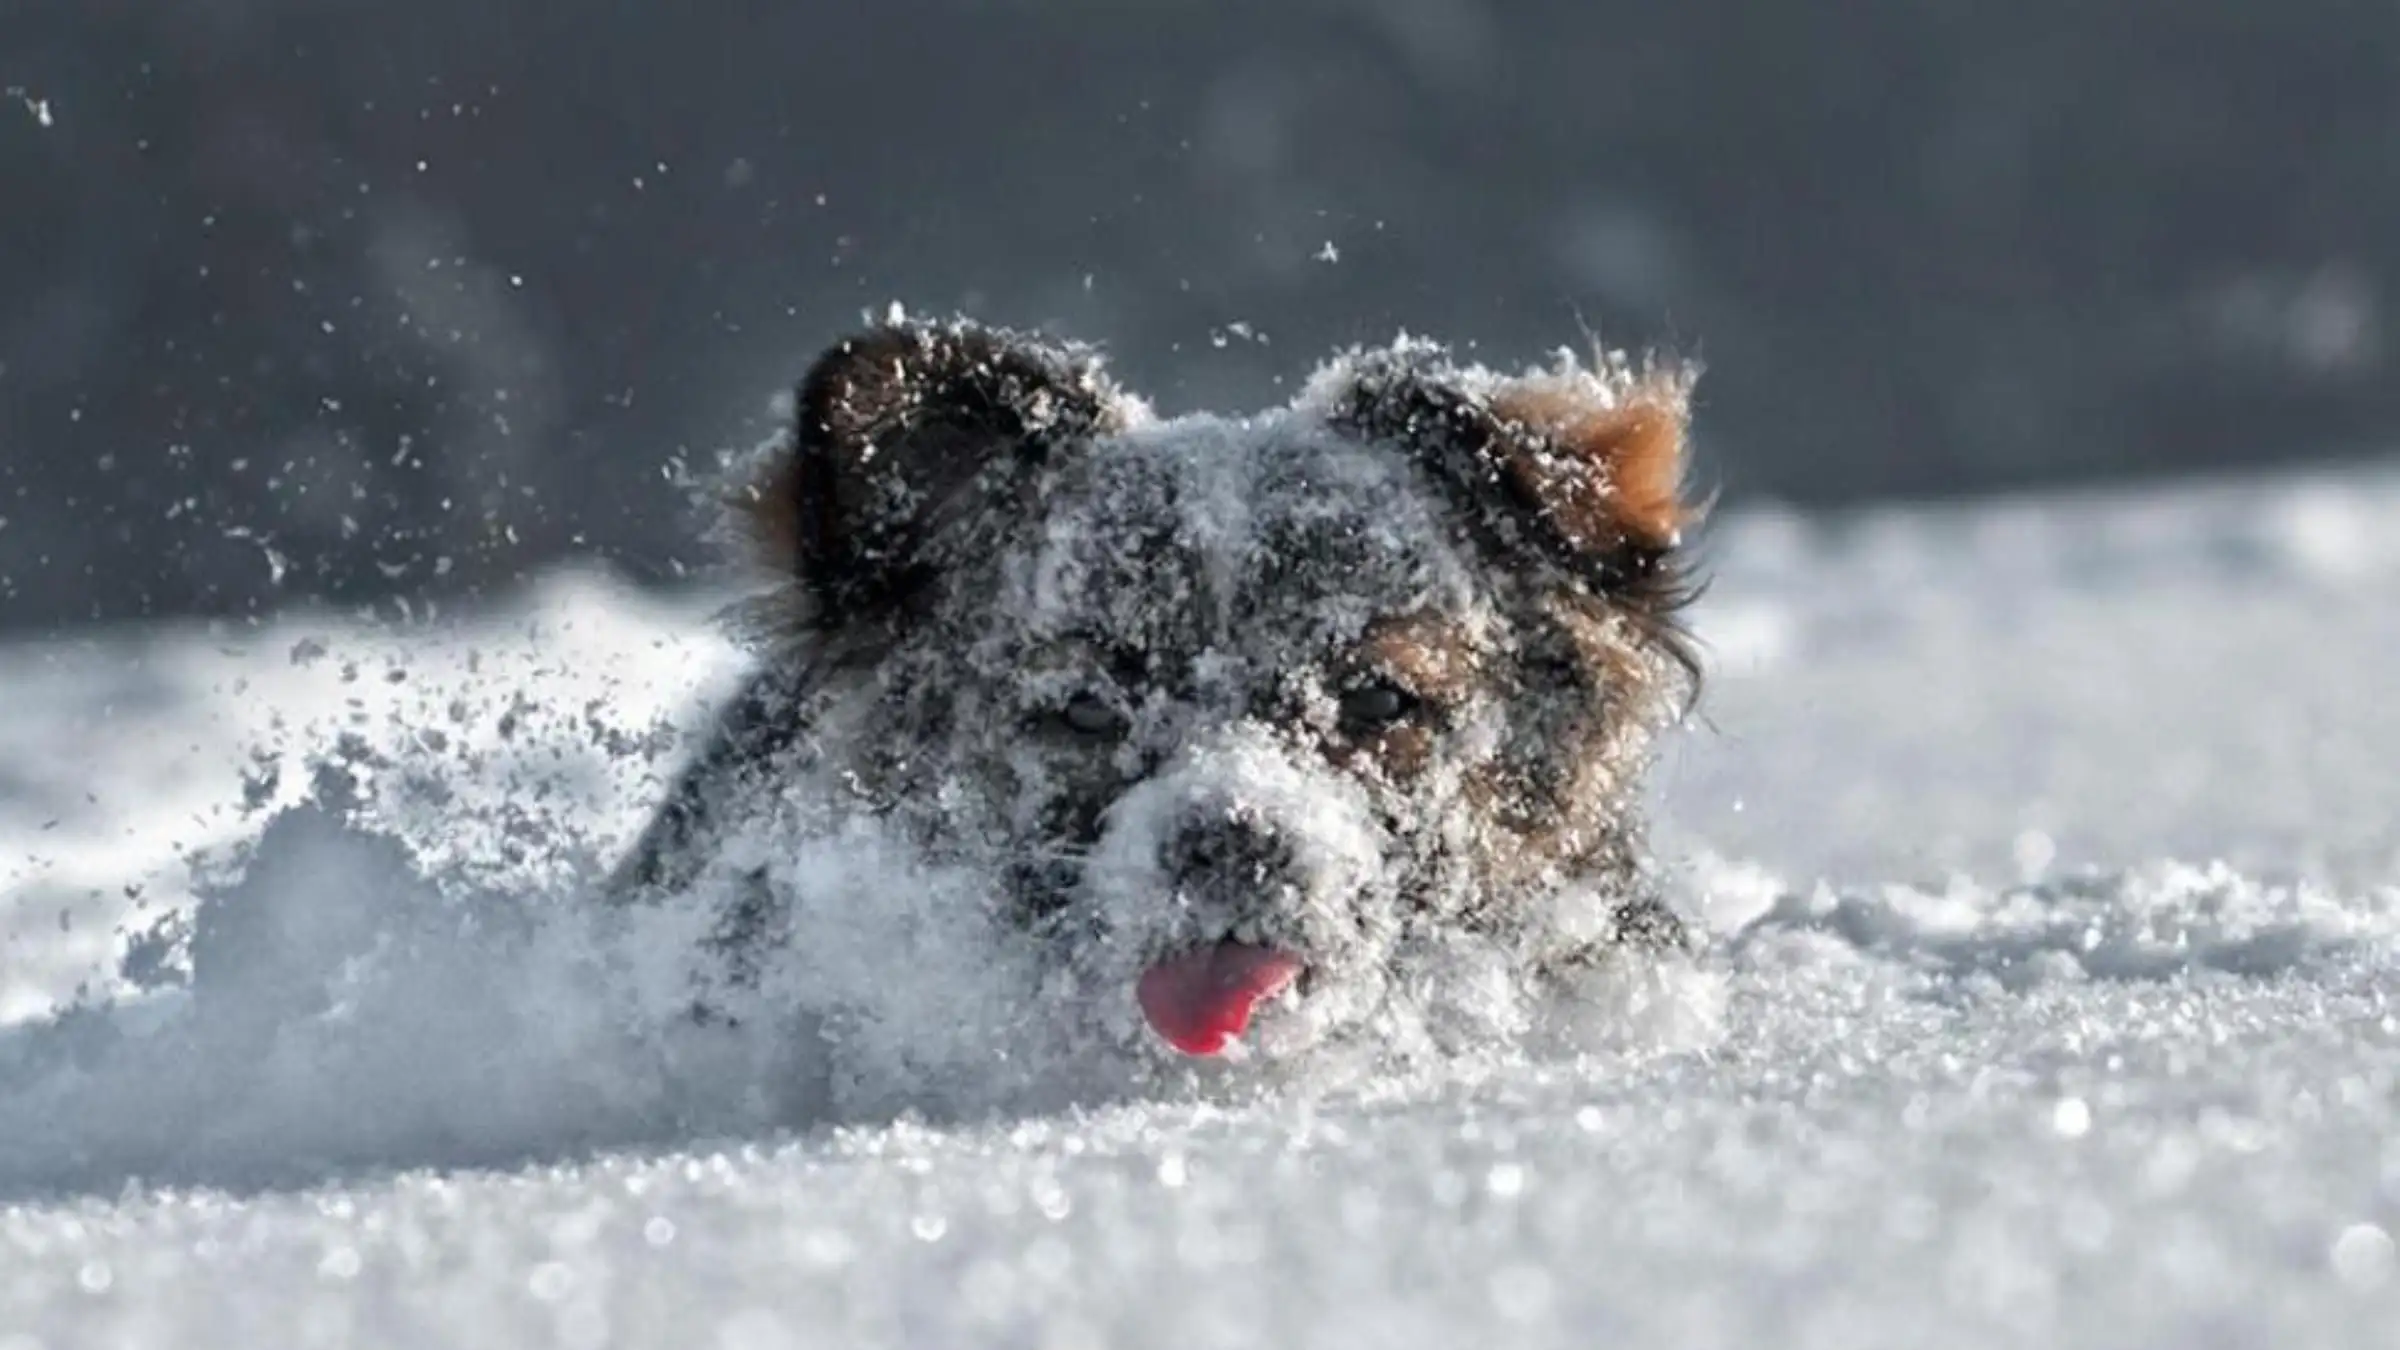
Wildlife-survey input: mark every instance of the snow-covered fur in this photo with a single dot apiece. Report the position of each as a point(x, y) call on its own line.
point(1365, 679)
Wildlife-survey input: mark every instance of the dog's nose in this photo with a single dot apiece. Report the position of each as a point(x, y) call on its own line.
point(1229, 855)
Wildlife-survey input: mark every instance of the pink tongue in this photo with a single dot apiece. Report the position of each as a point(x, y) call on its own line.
point(1203, 999)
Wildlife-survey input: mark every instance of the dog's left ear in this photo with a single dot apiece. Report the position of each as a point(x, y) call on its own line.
point(900, 436)
point(1584, 466)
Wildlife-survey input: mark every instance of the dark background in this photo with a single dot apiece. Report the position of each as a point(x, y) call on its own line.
point(357, 299)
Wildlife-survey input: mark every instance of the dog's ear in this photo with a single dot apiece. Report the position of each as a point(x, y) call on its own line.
point(1604, 459)
point(900, 432)
point(1584, 466)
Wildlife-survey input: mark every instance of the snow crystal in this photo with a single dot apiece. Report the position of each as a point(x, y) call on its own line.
point(35, 105)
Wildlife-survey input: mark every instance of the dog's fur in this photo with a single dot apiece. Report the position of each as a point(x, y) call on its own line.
point(1348, 678)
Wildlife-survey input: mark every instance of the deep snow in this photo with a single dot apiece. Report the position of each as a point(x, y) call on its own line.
point(2050, 848)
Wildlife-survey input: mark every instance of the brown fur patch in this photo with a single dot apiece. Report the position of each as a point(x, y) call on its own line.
point(1430, 658)
point(766, 513)
point(1609, 471)
point(1554, 797)
point(1401, 752)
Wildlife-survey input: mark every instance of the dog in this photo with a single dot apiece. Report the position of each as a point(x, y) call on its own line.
point(1245, 717)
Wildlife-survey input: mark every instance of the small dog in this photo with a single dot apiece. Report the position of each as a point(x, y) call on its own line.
point(1243, 716)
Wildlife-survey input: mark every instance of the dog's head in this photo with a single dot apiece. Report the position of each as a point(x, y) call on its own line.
point(1242, 707)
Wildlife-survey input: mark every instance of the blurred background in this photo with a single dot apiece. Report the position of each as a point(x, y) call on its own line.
point(380, 302)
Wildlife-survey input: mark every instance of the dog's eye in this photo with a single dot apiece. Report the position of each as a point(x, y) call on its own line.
point(1092, 716)
point(1377, 704)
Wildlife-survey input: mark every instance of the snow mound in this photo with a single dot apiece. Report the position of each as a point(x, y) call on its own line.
point(329, 1007)
point(335, 1003)
point(2159, 921)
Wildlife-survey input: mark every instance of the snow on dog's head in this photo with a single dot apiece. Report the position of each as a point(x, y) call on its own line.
point(1329, 718)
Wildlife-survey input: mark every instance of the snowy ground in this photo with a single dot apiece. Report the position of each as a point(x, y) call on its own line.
point(2052, 849)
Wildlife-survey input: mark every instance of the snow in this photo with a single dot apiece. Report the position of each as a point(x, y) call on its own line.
point(2050, 850)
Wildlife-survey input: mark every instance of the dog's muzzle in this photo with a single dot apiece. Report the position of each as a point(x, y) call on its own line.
point(1201, 999)
point(1228, 877)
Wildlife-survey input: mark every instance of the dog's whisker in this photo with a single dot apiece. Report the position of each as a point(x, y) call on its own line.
point(1039, 853)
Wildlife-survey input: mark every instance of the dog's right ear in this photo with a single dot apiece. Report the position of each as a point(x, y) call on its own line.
point(898, 434)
